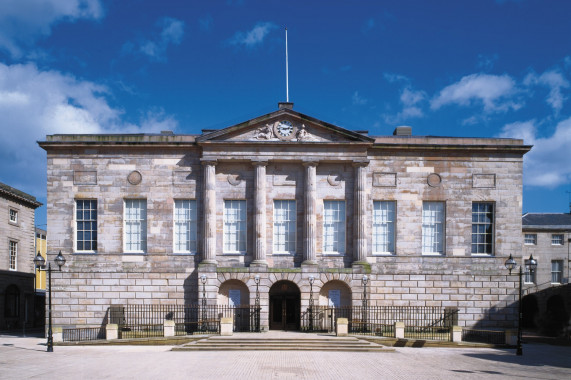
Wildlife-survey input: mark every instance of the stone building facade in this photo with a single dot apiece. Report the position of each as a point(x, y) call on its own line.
point(17, 218)
point(286, 197)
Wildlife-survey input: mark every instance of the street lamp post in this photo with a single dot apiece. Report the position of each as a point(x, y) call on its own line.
point(257, 311)
point(531, 265)
point(365, 280)
point(203, 280)
point(311, 280)
point(39, 263)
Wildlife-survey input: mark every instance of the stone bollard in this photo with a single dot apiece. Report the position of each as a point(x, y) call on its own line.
point(111, 331)
point(168, 328)
point(342, 327)
point(456, 334)
point(57, 334)
point(511, 337)
point(399, 330)
point(226, 326)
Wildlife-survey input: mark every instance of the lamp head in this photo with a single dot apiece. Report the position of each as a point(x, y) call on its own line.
point(39, 261)
point(510, 263)
point(365, 279)
point(531, 264)
point(60, 260)
point(257, 279)
point(203, 278)
point(311, 279)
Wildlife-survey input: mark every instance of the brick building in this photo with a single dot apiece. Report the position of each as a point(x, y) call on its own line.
point(17, 218)
point(140, 218)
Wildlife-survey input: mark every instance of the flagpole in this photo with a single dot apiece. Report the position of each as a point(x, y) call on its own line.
point(287, 80)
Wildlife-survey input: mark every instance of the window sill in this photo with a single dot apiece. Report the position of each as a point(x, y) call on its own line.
point(384, 254)
point(233, 253)
point(433, 254)
point(85, 253)
point(333, 254)
point(184, 253)
point(482, 255)
point(135, 253)
point(283, 254)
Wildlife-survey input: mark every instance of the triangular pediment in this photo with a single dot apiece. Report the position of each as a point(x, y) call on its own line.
point(285, 126)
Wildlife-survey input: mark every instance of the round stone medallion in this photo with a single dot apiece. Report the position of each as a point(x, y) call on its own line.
point(434, 180)
point(134, 177)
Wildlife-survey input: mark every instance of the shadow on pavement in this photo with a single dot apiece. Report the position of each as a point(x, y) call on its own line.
point(533, 356)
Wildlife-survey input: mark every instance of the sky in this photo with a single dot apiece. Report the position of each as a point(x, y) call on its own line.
point(481, 68)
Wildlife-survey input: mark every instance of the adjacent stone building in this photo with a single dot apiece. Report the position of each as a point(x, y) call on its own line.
point(17, 218)
point(140, 218)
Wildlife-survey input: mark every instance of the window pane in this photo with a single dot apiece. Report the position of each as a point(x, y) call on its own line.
point(482, 227)
point(135, 225)
point(383, 227)
point(334, 226)
point(284, 226)
point(235, 222)
point(433, 227)
point(185, 222)
point(86, 225)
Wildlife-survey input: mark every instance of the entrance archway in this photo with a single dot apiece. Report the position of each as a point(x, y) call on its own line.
point(285, 305)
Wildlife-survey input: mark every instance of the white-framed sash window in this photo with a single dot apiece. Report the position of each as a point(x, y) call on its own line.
point(433, 227)
point(185, 226)
point(334, 227)
point(384, 217)
point(135, 235)
point(285, 216)
point(235, 226)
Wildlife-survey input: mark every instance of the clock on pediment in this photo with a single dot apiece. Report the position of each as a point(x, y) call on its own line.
point(284, 130)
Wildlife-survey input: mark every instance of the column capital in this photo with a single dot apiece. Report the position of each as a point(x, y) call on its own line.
point(259, 163)
point(208, 161)
point(362, 163)
point(310, 163)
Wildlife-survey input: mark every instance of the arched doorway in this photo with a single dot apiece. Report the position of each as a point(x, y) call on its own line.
point(529, 309)
point(234, 296)
point(285, 305)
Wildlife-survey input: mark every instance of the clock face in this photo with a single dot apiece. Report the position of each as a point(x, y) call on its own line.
point(285, 128)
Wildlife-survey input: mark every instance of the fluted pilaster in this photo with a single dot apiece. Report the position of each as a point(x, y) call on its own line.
point(260, 213)
point(209, 196)
point(310, 219)
point(360, 211)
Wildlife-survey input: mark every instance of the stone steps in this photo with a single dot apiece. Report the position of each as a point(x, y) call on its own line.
point(218, 343)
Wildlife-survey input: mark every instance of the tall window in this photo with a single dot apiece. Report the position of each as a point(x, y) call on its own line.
point(185, 226)
point(284, 226)
point(13, 216)
point(235, 226)
point(530, 239)
point(13, 255)
point(482, 227)
point(383, 227)
point(433, 227)
point(135, 225)
point(86, 225)
point(556, 271)
point(556, 239)
point(528, 276)
point(334, 226)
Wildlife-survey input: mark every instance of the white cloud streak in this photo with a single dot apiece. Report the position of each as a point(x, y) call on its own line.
point(35, 103)
point(492, 91)
point(253, 37)
point(172, 32)
point(555, 82)
point(548, 164)
point(23, 22)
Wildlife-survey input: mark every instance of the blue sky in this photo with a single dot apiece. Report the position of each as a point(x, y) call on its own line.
point(482, 68)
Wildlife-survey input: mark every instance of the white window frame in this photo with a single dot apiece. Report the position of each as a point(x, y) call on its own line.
point(285, 230)
point(235, 231)
point(336, 227)
point(13, 215)
point(557, 239)
point(185, 226)
point(141, 222)
point(13, 255)
point(77, 221)
point(530, 239)
point(477, 223)
point(528, 276)
point(557, 273)
point(433, 221)
point(384, 227)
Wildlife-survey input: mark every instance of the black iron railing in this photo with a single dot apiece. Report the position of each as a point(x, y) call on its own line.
point(83, 334)
point(148, 320)
point(420, 322)
point(483, 336)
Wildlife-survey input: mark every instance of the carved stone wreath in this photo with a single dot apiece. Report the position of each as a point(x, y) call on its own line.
point(434, 180)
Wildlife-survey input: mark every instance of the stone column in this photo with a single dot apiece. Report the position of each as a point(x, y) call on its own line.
point(360, 212)
point(260, 213)
point(310, 220)
point(209, 256)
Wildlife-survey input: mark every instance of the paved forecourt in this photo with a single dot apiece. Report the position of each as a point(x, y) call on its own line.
point(25, 358)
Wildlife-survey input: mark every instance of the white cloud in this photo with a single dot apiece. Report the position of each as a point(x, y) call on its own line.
point(253, 37)
point(358, 99)
point(35, 103)
point(410, 99)
point(494, 92)
point(172, 31)
point(22, 22)
point(548, 164)
point(555, 81)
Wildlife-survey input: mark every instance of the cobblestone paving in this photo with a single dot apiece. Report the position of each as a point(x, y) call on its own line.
point(25, 358)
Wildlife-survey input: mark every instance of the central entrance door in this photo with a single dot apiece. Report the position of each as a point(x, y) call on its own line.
point(284, 306)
